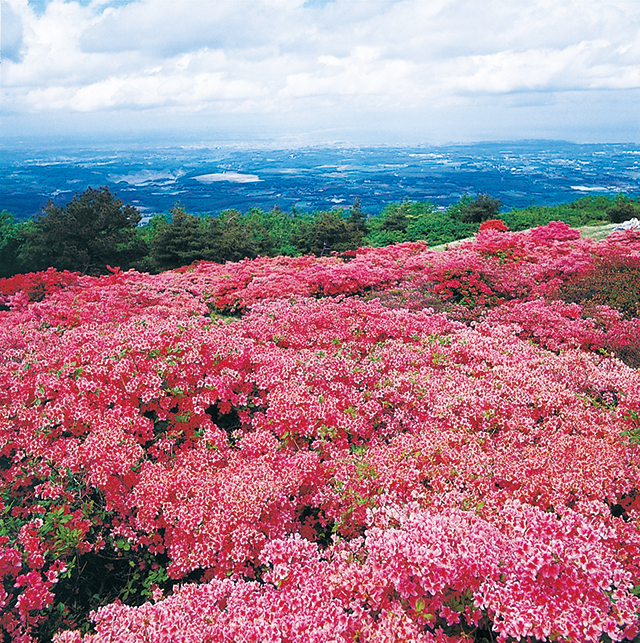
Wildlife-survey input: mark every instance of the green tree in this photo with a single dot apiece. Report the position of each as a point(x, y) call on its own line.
point(178, 242)
point(232, 237)
point(281, 226)
point(396, 217)
point(357, 217)
point(621, 210)
point(418, 221)
point(93, 230)
point(327, 231)
point(389, 226)
point(480, 209)
point(10, 240)
point(265, 230)
point(398, 222)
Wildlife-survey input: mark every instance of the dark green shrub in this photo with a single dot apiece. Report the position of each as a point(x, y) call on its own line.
point(10, 241)
point(480, 209)
point(327, 231)
point(621, 210)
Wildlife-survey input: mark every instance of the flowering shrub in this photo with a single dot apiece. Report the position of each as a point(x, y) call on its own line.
point(558, 325)
point(493, 224)
point(35, 286)
point(304, 449)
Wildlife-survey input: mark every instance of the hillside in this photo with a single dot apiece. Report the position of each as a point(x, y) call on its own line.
point(397, 444)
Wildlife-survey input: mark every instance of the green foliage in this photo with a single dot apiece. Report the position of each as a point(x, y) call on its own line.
point(357, 217)
point(622, 209)
point(96, 229)
point(391, 225)
point(614, 283)
point(632, 419)
point(232, 236)
point(327, 231)
point(378, 237)
point(396, 217)
point(178, 242)
point(10, 240)
point(589, 210)
point(75, 530)
point(280, 227)
point(416, 221)
point(477, 210)
point(148, 231)
point(116, 572)
point(93, 230)
point(438, 228)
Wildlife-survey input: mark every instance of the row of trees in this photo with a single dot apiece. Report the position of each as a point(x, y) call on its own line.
point(96, 229)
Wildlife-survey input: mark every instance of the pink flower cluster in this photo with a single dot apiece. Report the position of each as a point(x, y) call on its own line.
point(320, 465)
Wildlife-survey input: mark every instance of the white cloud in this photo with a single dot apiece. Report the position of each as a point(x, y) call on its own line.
point(11, 33)
point(284, 56)
point(362, 76)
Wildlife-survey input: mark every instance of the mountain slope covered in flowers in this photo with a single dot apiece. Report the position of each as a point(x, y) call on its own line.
point(392, 445)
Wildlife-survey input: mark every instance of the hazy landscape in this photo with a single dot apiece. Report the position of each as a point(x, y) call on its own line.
point(211, 178)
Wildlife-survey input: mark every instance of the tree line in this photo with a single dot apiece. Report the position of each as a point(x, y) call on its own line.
point(96, 230)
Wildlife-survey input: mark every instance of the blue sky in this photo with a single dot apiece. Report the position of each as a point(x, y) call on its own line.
point(318, 71)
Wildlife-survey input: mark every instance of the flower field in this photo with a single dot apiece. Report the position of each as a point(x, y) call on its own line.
point(395, 444)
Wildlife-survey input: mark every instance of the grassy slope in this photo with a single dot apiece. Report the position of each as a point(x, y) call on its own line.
point(597, 232)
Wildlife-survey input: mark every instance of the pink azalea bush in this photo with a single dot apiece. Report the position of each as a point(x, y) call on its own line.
point(398, 445)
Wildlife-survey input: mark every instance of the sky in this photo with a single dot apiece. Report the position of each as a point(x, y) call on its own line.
point(321, 71)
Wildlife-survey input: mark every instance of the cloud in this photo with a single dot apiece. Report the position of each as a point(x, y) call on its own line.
point(362, 77)
point(332, 56)
point(168, 28)
point(11, 33)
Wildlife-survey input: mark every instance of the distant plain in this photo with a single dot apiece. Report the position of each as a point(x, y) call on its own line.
point(210, 178)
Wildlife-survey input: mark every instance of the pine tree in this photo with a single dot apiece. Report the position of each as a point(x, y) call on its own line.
point(93, 230)
point(179, 242)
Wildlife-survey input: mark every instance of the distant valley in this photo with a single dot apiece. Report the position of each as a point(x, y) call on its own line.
point(212, 178)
